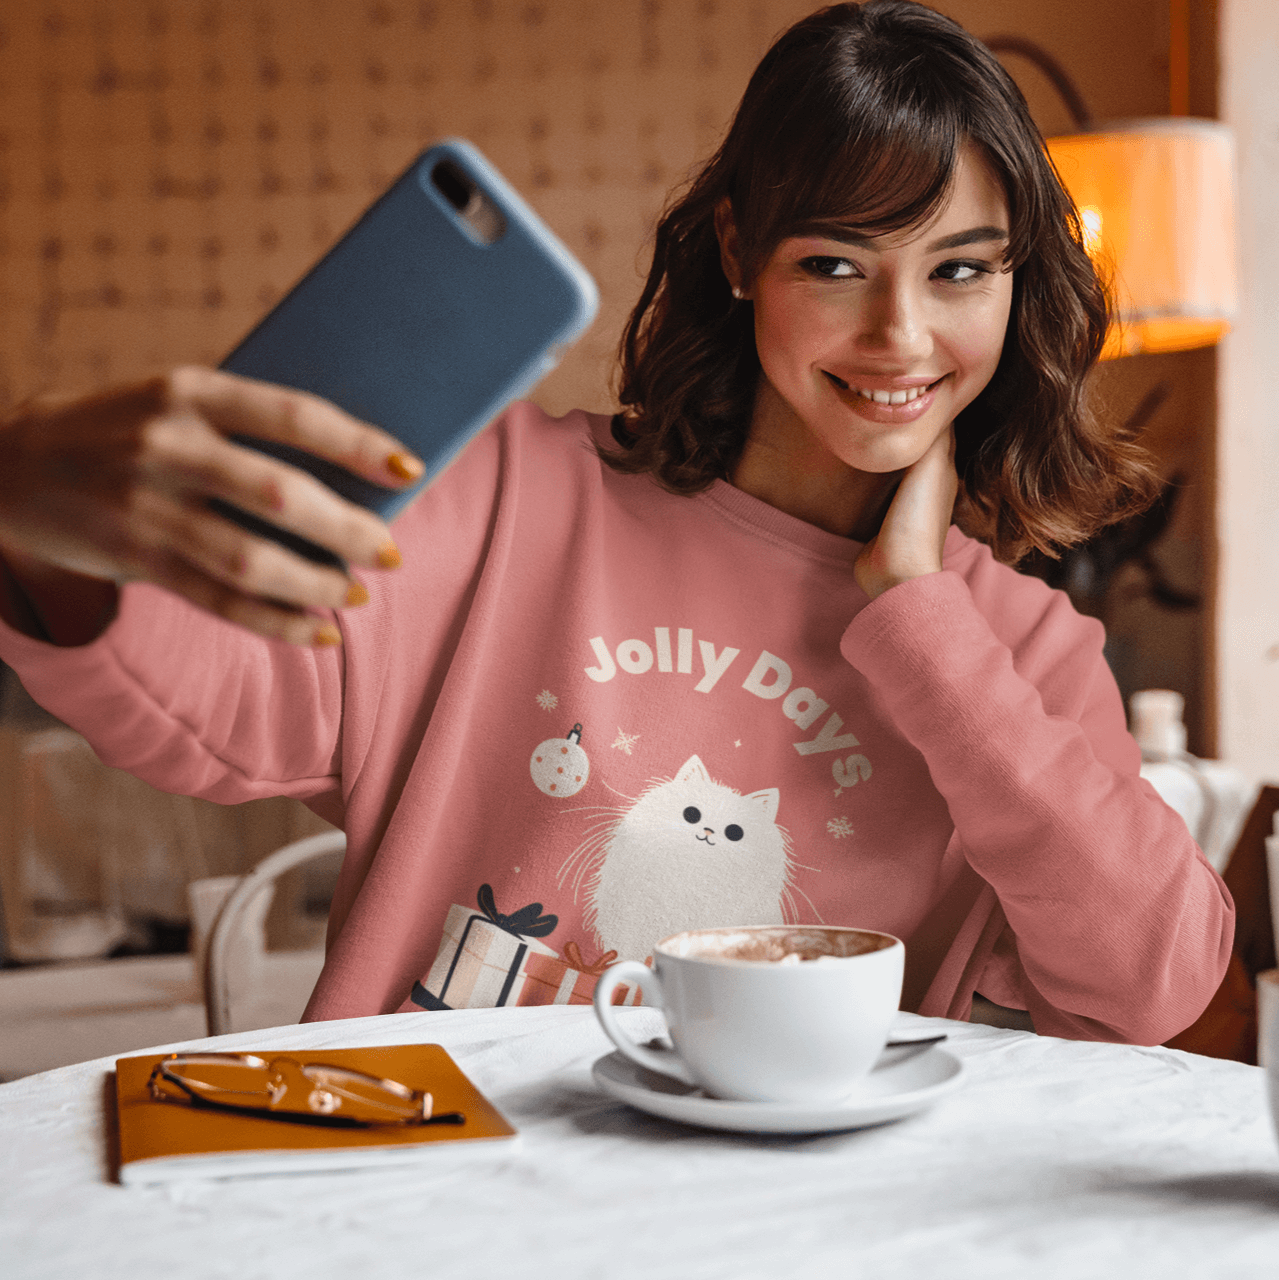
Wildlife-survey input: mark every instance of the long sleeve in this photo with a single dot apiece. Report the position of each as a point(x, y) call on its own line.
point(193, 705)
point(1122, 929)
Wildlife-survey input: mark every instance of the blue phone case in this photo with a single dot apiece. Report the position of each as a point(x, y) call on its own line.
point(414, 323)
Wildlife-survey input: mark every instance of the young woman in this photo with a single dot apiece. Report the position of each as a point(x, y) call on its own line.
point(722, 659)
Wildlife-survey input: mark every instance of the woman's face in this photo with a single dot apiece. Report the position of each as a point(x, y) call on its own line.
point(871, 347)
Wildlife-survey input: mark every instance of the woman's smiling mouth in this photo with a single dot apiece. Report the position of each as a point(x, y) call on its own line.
point(898, 395)
point(887, 404)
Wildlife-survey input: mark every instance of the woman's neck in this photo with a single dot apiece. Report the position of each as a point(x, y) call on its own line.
point(784, 465)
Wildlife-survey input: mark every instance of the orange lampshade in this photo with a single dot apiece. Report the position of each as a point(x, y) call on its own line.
point(1156, 198)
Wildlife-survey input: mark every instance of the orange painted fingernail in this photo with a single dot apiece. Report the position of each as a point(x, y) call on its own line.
point(404, 466)
point(388, 556)
point(357, 593)
point(328, 634)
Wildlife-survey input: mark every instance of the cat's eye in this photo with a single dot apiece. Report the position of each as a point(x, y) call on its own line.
point(692, 814)
point(733, 831)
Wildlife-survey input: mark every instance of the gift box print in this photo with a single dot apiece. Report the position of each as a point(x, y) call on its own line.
point(482, 956)
point(570, 980)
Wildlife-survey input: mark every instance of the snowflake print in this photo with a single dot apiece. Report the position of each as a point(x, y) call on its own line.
point(839, 827)
point(625, 741)
point(547, 700)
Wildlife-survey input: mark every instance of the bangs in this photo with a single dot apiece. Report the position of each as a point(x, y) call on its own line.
point(869, 187)
point(871, 141)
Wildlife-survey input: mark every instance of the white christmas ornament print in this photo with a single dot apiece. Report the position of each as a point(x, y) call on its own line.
point(559, 765)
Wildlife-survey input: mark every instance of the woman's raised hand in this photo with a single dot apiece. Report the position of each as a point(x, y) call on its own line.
point(114, 487)
point(910, 539)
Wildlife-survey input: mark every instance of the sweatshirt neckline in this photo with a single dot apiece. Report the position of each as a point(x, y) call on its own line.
point(780, 528)
point(777, 526)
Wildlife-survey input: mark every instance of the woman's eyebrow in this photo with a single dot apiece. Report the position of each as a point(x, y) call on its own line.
point(975, 235)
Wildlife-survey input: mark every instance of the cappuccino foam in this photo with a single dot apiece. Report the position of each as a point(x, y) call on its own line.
point(779, 945)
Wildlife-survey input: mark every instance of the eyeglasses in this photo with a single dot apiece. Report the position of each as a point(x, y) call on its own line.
point(297, 1092)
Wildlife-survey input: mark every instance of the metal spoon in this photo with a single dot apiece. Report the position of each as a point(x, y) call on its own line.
point(896, 1051)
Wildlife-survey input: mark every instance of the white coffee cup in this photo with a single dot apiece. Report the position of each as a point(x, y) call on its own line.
point(767, 1013)
point(1268, 1036)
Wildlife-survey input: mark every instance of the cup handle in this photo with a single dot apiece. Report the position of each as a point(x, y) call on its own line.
point(633, 972)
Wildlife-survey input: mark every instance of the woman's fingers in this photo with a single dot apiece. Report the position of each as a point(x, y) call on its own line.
point(237, 405)
point(265, 617)
point(912, 537)
point(189, 458)
point(178, 530)
point(925, 501)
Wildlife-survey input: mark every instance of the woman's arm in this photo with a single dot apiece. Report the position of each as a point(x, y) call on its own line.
point(1122, 929)
point(110, 489)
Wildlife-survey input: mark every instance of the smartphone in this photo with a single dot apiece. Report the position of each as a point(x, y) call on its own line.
point(447, 300)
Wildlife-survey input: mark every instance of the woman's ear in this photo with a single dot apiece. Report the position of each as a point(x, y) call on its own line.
point(726, 234)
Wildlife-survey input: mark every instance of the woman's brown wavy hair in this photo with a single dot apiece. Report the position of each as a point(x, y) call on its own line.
point(856, 117)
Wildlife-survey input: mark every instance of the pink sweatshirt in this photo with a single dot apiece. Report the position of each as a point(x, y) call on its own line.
point(588, 713)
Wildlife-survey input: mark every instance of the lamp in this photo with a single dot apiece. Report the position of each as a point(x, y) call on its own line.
point(1156, 200)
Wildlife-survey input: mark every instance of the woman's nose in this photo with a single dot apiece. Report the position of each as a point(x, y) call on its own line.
point(892, 323)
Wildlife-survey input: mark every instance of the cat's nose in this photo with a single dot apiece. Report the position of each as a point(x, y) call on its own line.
point(710, 831)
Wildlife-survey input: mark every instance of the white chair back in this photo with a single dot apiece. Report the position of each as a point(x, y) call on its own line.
point(238, 929)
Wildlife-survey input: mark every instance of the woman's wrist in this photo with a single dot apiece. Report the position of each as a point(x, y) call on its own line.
point(49, 603)
point(874, 582)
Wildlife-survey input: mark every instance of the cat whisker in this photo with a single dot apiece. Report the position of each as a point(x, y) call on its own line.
point(584, 859)
point(788, 895)
point(603, 808)
point(621, 795)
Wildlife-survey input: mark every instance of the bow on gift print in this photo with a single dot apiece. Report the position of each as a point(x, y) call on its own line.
point(573, 958)
point(528, 922)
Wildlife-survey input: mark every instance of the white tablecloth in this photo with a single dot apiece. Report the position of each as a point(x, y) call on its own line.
point(1055, 1159)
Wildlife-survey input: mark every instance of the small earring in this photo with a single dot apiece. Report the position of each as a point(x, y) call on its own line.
point(738, 294)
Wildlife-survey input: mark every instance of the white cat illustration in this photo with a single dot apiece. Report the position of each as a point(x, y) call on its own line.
point(690, 853)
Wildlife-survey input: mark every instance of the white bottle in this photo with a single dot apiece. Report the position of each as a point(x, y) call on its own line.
point(1213, 798)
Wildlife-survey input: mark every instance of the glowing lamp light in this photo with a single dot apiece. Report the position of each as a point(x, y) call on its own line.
point(1156, 204)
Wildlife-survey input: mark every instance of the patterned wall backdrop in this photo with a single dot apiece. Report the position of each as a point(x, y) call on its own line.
point(169, 167)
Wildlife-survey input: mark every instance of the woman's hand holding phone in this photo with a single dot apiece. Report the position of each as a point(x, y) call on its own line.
point(114, 487)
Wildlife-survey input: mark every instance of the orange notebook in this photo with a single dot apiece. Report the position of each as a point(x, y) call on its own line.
point(164, 1141)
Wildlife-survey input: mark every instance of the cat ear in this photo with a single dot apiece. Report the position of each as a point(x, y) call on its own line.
point(767, 801)
point(692, 770)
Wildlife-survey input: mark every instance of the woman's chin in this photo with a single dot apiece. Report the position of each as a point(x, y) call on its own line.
point(889, 453)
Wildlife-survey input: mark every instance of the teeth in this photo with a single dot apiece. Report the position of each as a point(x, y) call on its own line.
point(892, 397)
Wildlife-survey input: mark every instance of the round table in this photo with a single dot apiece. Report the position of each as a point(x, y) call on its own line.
point(1054, 1158)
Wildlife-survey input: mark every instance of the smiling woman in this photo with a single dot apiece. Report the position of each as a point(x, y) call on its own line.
point(869, 136)
point(722, 659)
point(870, 348)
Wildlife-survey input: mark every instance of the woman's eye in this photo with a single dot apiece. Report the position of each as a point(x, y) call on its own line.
point(961, 272)
point(831, 268)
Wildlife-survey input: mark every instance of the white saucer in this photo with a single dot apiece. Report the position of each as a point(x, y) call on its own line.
point(888, 1093)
